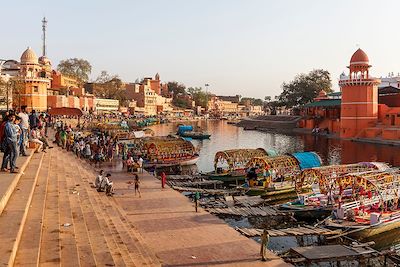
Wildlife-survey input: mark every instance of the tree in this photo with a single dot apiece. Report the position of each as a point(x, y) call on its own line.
point(267, 98)
point(253, 101)
point(176, 88)
point(109, 86)
point(199, 96)
point(75, 68)
point(305, 87)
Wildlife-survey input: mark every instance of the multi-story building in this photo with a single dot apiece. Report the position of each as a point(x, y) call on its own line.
point(106, 105)
point(144, 94)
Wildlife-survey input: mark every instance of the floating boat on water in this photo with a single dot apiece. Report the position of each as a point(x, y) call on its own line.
point(320, 203)
point(170, 151)
point(230, 165)
point(279, 173)
point(375, 209)
point(187, 131)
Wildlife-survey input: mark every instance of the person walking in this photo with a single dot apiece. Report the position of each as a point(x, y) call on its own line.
point(25, 131)
point(196, 200)
point(140, 162)
point(163, 179)
point(10, 145)
point(137, 184)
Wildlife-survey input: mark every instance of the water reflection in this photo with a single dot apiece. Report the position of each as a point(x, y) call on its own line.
point(332, 151)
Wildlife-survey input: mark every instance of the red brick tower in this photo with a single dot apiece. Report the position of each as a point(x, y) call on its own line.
point(359, 108)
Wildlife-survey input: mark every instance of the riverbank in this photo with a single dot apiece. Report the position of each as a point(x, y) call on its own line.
point(176, 233)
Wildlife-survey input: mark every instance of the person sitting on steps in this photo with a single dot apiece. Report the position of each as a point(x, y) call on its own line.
point(107, 185)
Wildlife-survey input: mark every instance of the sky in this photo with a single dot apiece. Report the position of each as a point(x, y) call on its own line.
point(245, 47)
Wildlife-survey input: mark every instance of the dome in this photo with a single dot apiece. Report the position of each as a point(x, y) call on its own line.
point(29, 57)
point(359, 57)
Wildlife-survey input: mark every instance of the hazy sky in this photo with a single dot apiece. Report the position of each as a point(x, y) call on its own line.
point(246, 47)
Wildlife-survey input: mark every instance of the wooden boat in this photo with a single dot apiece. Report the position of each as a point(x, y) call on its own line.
point(196, 135)
point(375, 209)
point(320, 203)
point(230, 165)
point(169, 151)
point(187, 131)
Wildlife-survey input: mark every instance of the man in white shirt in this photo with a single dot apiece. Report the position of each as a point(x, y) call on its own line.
point(25, 130)
point(140, 161)
point(107, 185)
point(98, 180)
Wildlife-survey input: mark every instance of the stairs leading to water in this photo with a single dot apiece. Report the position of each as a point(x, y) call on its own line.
point(55, 218)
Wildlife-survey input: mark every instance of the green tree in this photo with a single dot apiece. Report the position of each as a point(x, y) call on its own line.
point(75, 68)
point(305, 87)
point(176, 88)
point(199, 96)
point(110, 86)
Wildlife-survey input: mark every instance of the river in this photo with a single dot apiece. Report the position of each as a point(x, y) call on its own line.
point(332, 151)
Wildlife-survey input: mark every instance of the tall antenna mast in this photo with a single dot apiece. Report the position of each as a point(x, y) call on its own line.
point(44, 26)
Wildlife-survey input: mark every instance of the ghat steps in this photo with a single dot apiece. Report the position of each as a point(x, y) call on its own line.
point(53, 217)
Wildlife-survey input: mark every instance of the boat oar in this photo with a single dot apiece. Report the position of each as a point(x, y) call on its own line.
point(349, 232)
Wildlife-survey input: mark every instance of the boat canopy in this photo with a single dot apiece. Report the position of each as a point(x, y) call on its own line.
point(382, 182)
point(325, 175)
point(168, 148)
point(285, 164)
point(308, 159)
point(184, 128)
point(237, 158)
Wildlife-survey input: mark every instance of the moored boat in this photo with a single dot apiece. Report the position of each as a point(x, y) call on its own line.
point(188, 132)
point(230, 165)
point(375, 209)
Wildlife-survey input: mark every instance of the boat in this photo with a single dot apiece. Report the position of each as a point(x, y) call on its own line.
point(169, 151)
point(187, 132)
point(375, 209)
point(320, 203)
point(278, 173)
point(230, 165)
point(196, 135)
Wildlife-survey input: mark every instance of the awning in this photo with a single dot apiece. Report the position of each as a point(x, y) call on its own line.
point(325, 103)
point(66, 112)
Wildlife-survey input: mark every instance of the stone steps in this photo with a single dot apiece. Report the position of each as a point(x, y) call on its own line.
point(121, 229)
point(14, 214)
point(58, 219)
point(29, 247)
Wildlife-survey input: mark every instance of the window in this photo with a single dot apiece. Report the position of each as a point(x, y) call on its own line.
point(36, 89)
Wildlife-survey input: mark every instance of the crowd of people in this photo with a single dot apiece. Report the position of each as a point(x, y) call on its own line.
point(17, 129)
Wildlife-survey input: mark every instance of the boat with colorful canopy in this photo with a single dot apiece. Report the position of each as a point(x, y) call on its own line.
point(279, 173)
point(374, 208)
point(162, 152)
point(230, 165)
point(322, 180)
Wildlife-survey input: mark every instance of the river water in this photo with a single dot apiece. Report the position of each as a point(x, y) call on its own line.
point(332, 151)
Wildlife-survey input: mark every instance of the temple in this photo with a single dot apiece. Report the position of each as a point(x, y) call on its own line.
point(362, 109)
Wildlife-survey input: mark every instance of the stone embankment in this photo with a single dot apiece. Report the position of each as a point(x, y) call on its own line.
point(53, 217)
point(278, 122)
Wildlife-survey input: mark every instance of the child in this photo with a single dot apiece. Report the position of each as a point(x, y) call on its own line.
point(137, 184)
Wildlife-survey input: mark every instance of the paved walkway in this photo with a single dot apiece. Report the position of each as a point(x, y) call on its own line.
point(177, 234)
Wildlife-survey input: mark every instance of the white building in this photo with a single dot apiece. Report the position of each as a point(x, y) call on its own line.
point(103, 105)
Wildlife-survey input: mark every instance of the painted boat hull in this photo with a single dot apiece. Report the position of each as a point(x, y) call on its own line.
point(368, 232)
point(195, 135)
point(304, 213)
point(182, 162)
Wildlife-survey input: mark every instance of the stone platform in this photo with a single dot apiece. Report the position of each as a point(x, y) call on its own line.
point(53, 217)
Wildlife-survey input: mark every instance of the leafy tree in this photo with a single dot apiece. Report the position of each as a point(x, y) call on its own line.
point(199, 96)
point(176, 88)
point(109, 86)
point(253, 101)
point(267, 98)
point(75, 68)
point(305, 87)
